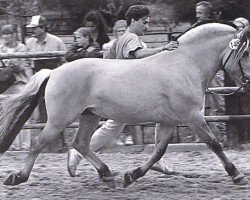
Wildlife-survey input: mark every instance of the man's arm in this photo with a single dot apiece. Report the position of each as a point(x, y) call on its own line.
point(145, 52)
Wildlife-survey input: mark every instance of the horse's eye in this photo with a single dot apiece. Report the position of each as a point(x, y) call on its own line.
point(246, 54)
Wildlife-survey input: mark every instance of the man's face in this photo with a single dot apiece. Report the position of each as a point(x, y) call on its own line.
point(37, 31)
point(141, 26)
point(201, 13)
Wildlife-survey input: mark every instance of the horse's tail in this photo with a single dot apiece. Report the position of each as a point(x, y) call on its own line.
point(17, 108)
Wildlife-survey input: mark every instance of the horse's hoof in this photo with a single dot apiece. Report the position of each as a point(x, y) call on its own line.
point(128, 179)
point(109, 181)
point(15, 178)
point(240, 179)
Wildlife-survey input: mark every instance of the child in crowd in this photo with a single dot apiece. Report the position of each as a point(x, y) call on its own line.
point(84, 46)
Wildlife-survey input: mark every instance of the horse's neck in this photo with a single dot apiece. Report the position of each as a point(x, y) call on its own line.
point(207, 56)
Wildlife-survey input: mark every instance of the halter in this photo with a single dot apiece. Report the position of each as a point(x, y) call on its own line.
point(244, 78)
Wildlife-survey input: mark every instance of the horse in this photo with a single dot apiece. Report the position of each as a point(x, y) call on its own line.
point(167, 88)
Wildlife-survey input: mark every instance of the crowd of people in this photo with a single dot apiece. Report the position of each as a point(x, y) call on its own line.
point(90, 41)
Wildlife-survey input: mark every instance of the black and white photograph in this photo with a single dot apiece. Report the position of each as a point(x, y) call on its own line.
point(124, 100)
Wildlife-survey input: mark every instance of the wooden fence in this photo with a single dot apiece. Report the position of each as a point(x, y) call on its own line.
point(224, 90)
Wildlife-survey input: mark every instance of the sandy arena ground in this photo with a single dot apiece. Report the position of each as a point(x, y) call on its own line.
point(201, 176)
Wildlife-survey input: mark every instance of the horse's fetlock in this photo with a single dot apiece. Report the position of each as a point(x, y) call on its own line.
point(138, 173)
point(231, 170)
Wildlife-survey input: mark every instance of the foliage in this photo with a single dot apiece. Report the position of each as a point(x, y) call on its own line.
point(230, 9)
point(167, 11)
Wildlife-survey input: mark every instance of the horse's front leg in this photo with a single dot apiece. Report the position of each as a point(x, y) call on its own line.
point(200, 127)
point(48, 134)
point(164, 134)
point(87, 126)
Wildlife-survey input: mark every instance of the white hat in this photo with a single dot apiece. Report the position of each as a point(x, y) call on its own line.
point(36, 21)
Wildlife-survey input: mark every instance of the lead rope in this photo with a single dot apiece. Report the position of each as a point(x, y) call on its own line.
point(234, 92)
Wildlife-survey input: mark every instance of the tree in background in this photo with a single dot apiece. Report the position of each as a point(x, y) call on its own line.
point(230, 9)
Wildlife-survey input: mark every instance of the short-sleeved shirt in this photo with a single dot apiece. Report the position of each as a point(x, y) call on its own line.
point(124, 46)
point(50, 43)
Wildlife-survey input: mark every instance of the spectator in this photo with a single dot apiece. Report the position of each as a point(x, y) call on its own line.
point(42, 41)
point(204, 11)
point(118, 29)
point(216, 103)
point(98, 27)
point(109, 13)
point(128, 46)
point(21, 71)
point(83, 47)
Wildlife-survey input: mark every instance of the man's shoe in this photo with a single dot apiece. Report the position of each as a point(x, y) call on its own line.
point(74, 158)
point(129, 140)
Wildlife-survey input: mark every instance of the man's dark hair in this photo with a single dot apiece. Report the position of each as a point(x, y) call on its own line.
point(136, 12)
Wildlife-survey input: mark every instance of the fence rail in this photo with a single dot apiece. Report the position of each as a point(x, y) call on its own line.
point(32, 54)
point(224, 118)
point(224, 90)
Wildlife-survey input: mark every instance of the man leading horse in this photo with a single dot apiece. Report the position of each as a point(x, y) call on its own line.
point(127, 46)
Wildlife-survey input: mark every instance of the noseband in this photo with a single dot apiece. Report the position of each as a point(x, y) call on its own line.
point(244, 78)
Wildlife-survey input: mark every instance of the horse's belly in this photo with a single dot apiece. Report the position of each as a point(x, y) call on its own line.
point(132, 110)
point(126, 115)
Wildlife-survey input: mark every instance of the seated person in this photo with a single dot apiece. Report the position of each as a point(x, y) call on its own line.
point(83, 47)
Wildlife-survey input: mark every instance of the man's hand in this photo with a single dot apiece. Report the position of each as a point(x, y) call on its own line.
point(91, 48)
point(171, 46)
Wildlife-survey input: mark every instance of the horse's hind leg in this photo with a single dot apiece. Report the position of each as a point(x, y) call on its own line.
point(48, 134)
point(88, 123)
point(199, 126)
point(164, 135)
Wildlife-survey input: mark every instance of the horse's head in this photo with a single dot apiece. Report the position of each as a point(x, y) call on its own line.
point(237, 61)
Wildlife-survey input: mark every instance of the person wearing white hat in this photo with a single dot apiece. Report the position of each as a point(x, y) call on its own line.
point(42, 41)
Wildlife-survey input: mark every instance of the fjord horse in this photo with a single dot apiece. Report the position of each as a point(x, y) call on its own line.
point(167, 88)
